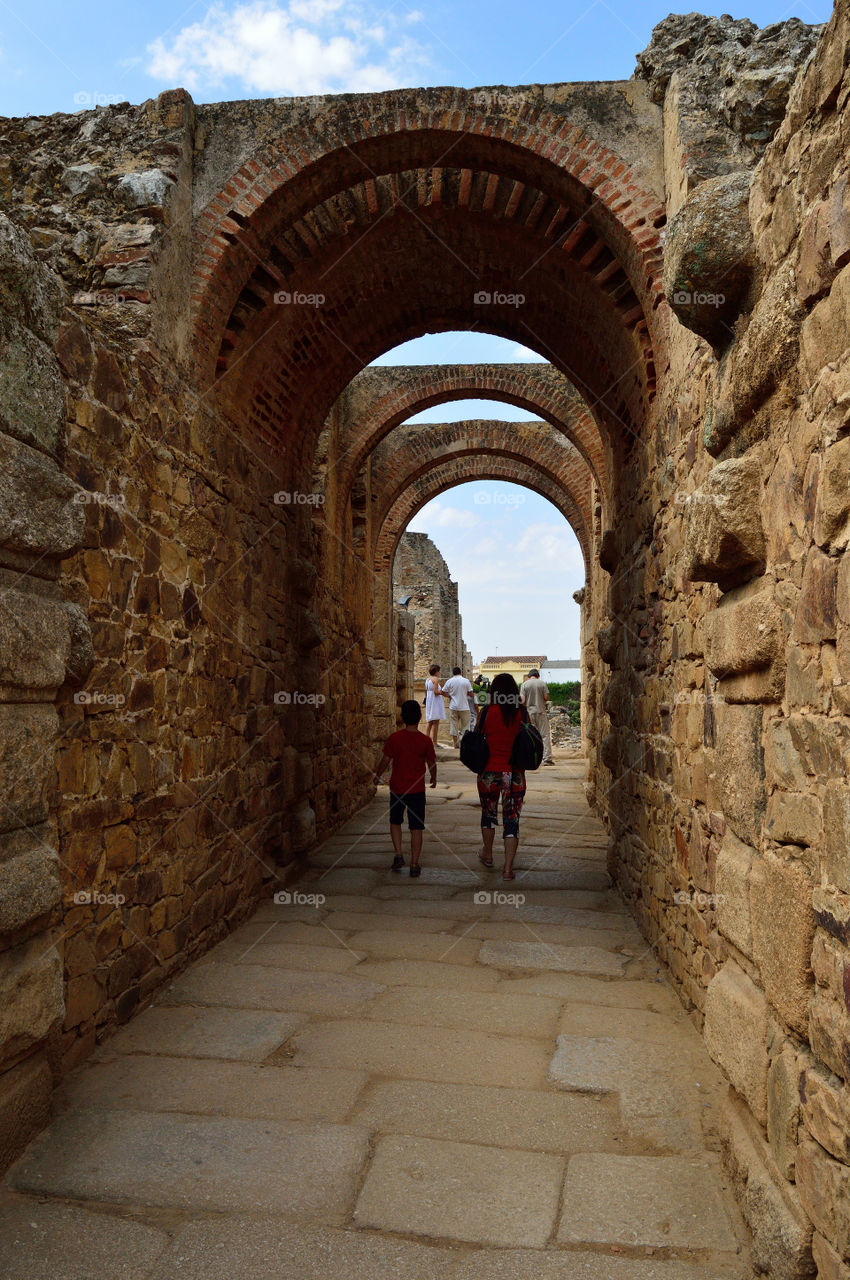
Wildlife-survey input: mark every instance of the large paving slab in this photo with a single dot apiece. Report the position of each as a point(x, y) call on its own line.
point(460, 1191)
point(549, 955)
point(660, 1202)
point(427, 973)
point(236, 1089)
point(505, 1117)
point(501, 1014)
point(251, 986)
point(214, 1164)
point(246, 1034)
point(44, 1241)
point(396, 1049)
point(445, 948)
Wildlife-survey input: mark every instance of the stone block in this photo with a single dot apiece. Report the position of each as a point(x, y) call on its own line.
point(832, 513)
point(781, 1231)
point(767, 350)
point(739, 763)
point(732, 886)
point(829, 1032)
point(35, 641)
point(724, 537)
point(27, 746)
point(30, 996)
point(836, 830)
point(832, 913)
point(824, 1186)
point(827, 1261)
point(39, 512)
point(736, 1021)
point(25, 1094)
point(815, 619)
point(29, 291)
point(783, 763)
point(794, 818)
point(783, 1109)
point(744, 638)
point(32, 397)
point(783, 931)
point(825, 333)
point(825, 1111)
point(709, 256)
point(29, 877)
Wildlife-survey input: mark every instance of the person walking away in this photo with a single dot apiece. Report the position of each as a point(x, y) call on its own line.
point(410, 752)
point(535, 695)
point(459, 690)
point(435, 707)
point(499, 720)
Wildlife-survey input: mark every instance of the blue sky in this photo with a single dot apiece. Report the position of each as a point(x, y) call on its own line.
point(56, 55)
point(516, 561)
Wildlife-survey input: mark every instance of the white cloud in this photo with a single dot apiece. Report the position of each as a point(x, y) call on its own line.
point(300, 47)
point(520, 354)
point(437, 516)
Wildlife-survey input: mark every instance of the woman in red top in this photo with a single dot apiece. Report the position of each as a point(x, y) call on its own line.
point(499, 720)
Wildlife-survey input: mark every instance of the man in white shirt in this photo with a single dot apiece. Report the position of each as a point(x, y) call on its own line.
point(535, 695)
point(458, 688)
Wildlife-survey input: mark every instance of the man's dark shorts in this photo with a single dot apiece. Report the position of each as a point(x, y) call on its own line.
point(414, 805)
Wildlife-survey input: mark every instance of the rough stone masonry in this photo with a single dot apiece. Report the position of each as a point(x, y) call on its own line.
point(203, 488)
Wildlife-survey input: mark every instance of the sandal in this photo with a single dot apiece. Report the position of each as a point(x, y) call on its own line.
point(415, 871)
point(510, 876)
point(398, 863)
point(483, 860)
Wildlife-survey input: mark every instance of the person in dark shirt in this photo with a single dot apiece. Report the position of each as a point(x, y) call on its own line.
point(410, 753)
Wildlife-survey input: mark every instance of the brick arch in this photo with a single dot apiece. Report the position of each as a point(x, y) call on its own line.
point(359, 140)
point(414, 451)
point(402, 281)
point(457, 471)
point(379, 400)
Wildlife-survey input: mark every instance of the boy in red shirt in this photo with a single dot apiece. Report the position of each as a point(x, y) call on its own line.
point(409, 752)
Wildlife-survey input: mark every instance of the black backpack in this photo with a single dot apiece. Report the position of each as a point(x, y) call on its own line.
point(474, 748)
point(528, 748)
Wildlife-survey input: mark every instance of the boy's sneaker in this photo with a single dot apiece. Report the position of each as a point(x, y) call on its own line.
point(398, 863)
point(415, 871)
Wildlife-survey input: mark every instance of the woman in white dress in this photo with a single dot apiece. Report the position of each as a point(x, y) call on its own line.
point(435, 707)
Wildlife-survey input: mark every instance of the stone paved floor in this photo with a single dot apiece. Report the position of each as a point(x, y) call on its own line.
point(415, 1079)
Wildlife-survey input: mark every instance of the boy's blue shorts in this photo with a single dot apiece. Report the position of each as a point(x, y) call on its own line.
point(414, 805)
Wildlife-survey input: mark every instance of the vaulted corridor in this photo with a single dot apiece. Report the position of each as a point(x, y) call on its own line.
point(401, 1080)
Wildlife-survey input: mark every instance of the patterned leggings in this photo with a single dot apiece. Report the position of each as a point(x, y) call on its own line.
point(511, 787)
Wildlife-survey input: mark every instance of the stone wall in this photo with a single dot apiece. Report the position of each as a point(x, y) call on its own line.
point(421, 572)
point(723, 739)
